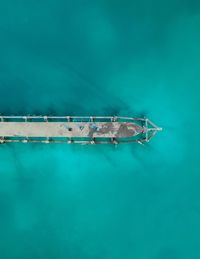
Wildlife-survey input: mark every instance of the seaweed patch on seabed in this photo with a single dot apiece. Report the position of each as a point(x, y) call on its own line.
point(107, 151)
point(21, 177)
point(24, 176)
point(96, 92)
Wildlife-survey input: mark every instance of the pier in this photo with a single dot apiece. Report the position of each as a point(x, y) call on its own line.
point(74, 129)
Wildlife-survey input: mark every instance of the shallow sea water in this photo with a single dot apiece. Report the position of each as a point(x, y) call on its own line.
point(102, 58)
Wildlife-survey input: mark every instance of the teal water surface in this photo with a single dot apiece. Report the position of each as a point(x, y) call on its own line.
point(102, 57)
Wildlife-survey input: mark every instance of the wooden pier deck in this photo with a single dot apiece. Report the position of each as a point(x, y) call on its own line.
point(69, 129)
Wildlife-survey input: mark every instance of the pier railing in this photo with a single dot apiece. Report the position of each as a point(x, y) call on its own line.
point(68, 118)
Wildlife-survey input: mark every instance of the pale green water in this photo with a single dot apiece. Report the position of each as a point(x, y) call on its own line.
point(102, 57)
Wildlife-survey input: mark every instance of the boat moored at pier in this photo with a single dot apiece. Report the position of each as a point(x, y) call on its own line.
point(76, 129)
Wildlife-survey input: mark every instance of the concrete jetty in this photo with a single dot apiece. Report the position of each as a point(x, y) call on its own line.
point(74, 129)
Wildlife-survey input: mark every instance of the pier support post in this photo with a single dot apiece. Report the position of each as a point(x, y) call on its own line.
point(47, 140)
point(2, 140)
point(25, 118)
point(114, 118)
point(93, 141)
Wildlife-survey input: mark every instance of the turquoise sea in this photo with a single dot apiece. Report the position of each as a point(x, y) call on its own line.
point(102, 57)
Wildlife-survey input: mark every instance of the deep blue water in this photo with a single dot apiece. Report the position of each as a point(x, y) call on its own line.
point(103, 57)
